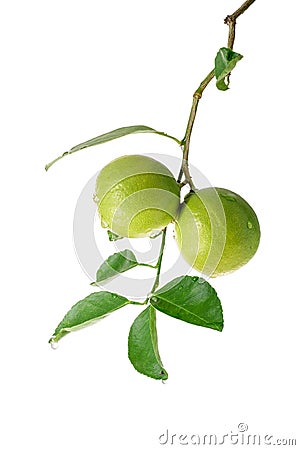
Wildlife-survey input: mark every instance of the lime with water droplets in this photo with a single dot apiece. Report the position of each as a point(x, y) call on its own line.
point(217, 231)
point(137, 196)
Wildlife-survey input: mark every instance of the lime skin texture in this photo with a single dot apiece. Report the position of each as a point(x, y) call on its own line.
point(137, 196)
point(217, 231)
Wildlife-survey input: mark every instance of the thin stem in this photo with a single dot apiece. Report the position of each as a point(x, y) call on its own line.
point(148, 265)
point(182, 183)
point(230, 20)
point(185, 143)
point(204, 84)
point(157, 266)
point(159, 261)
point(179, 178)
point(187, 137)
point(131, 302)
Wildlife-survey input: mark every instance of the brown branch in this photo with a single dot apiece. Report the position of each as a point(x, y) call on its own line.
point(230, 20)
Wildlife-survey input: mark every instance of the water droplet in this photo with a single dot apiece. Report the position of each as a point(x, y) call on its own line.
point(194, 278)
point(154, 234)
point(154, 299)
point(114, 296)
point(96, 198)
point(180, 288)
point(249, 225)
point(228, 197)
point(54, 344)
point(103, 223)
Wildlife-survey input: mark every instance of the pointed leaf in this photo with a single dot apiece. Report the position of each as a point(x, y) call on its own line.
point(225, 62)
point(87, 311)
point(115, 264)
point(106, 137)
point(142, 346)
point(191, 299)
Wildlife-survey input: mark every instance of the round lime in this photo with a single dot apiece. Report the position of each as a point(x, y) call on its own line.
point(137, 196)
point(217, 231)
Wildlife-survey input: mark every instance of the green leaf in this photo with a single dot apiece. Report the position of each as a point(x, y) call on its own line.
point(113, 236)
point(115, 264)
point(106, 137)
point(142, 346)
point(225, 62)
point(191, 299)
point(87, 311)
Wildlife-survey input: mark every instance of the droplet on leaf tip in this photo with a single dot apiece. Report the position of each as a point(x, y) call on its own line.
point(54, 344)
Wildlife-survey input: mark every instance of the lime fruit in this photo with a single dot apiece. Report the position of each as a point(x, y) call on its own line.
point(217, 231)
point(137, 196)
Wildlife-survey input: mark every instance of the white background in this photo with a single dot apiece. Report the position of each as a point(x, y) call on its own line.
point(72, 70)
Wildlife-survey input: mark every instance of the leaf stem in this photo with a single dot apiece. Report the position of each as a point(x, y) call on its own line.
point(157, 267)
point(131, 302)
point(147, 265)
point(159, 261)
point(230, 20)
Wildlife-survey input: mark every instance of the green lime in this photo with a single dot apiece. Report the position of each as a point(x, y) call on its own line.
point(137, 196)
point(217, 231)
